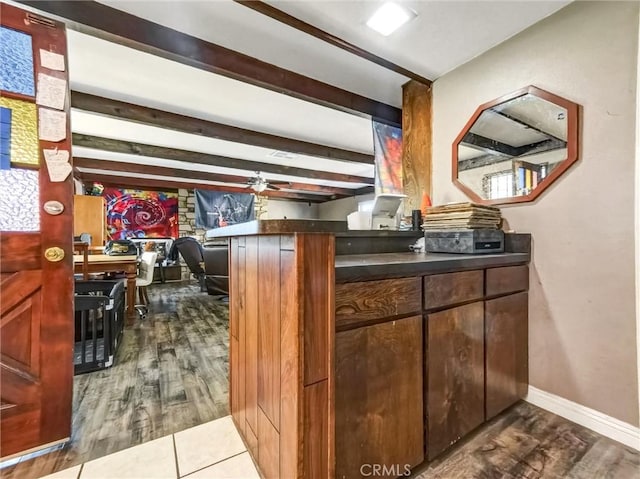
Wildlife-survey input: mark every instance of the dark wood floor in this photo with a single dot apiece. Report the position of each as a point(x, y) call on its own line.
point(171, 373)
point(529, 442)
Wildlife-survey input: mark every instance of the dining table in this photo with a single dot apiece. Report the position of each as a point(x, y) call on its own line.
point(104, 263)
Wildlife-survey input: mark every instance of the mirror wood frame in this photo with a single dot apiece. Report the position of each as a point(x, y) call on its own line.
point(573, 110)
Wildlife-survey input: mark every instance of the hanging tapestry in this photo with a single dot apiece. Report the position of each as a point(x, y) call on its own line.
point(216, 208)
point(140, 214)
point(387, 150)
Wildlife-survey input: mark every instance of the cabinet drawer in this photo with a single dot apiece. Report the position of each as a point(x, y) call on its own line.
point(368, 300)
point(507, 280)
point(452, 288)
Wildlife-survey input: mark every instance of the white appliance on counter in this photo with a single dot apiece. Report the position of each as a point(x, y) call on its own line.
point(381, 213)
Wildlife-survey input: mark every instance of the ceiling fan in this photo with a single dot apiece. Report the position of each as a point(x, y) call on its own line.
point(258, 183)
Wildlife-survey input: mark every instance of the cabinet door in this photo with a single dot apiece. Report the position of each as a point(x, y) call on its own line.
point(506, 333)
point(378, 398)
point(89, 216)
point(455, 384)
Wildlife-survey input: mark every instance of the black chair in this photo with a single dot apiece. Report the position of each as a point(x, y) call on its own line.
point(191, 251)
point(216, 267)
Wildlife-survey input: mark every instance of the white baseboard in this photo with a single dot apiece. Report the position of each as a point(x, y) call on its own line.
point(590, 418)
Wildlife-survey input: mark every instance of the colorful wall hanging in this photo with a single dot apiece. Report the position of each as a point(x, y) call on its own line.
point(139, 214)
point(387, 150)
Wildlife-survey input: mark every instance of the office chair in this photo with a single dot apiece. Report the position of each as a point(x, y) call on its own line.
point(191, 251)
point(144, 279)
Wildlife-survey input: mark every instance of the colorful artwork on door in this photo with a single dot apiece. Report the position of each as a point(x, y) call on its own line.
point(139, 214)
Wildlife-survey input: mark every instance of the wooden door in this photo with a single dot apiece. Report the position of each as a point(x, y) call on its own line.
point(506, 329)
point(455, 375)
point(36, 311)
point(379, 408)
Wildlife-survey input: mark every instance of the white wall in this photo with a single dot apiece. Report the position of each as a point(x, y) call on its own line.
point(278, 209)
point(582, 327)
point(339, 209)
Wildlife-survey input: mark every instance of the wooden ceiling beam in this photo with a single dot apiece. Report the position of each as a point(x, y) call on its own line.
point(94, 164)
point(159, 184)
point(209, 129)
point(194, 157)
point(283, 17)
point(114, 25)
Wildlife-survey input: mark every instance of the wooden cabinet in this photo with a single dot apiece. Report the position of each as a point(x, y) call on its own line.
point(89, 216)
point(455, 375)
point(329, 377)
point(378, 397)
point(281, 372)
point(506, 324)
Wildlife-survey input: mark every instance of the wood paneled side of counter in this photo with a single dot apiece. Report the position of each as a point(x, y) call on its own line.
point(316, 256)
point(281, 328)
point(269, 328)
point(250, 302)
point(290, 375)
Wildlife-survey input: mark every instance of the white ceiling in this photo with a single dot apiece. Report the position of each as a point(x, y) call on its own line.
point(442, 37)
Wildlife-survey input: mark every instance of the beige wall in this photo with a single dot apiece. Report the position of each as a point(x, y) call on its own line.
point(278, 209)
point(582, 310)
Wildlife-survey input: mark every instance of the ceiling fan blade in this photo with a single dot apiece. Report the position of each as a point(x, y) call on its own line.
point(272, 187)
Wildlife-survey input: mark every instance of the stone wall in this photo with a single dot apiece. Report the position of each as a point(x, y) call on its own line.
point(187, 222)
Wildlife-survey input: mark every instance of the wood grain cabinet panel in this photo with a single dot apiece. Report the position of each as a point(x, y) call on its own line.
point(369, 300)
point(268, 447)
point(378, 397)
point(509, 279)
point(269, 328)
point(453, 288)
point(455, 384)
point(233, 382)
point(290, 436)
point(316, 431)
point(251, 332)
point(506, 343)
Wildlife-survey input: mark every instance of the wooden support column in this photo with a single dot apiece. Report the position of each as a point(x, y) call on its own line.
point(416, 143)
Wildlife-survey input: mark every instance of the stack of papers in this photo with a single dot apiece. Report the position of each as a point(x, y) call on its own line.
point(462, 216)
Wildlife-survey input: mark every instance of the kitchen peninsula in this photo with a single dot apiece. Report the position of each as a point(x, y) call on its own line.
point(349, 351)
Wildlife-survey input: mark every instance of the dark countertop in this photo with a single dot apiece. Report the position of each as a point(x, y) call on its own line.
point(339, 228)
point(364, 267)
point(258, 227)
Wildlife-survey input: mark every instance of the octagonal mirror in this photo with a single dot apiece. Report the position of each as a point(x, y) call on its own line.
point(514, 147)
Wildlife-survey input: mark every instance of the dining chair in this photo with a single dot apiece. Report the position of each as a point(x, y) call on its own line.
point(144, 279)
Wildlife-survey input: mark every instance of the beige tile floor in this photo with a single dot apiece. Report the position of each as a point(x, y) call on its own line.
point(213, 450)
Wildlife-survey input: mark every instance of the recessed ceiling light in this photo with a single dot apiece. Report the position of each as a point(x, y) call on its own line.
point(389, 17)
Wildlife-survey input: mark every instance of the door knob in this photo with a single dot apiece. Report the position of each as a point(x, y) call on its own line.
point(54, 254)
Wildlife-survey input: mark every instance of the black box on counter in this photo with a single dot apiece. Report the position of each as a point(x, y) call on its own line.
point(469, 241)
